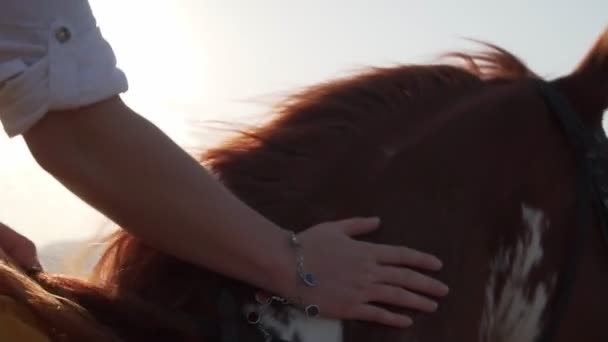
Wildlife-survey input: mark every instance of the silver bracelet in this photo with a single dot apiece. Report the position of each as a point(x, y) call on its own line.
point(303, 277)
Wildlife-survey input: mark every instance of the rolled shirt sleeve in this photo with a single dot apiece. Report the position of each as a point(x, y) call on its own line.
point(52, 57)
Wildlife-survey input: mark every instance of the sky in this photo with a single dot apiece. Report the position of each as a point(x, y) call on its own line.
point(193, 62)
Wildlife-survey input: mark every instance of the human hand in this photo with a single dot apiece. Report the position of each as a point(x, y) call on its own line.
point(353, 275)
point(18, 249)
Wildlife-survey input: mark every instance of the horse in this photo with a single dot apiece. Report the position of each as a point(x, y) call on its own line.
point(478, 160)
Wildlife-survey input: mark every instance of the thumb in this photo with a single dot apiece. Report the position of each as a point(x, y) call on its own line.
point(358, 225)
point(19, 248)
point(26, 257)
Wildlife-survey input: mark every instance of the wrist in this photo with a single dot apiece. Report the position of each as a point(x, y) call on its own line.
point(290, 275)
point(279, 267)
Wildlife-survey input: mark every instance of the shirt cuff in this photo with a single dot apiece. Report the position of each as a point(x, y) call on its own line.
point(73, 67)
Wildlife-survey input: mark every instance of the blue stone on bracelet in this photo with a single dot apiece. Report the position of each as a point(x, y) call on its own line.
point(309, 280)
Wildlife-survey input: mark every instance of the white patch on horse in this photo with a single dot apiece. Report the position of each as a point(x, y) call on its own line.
point(515, 315)
point(293, 326)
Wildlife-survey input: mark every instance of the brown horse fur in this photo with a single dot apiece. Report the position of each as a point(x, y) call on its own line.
point(448, 155)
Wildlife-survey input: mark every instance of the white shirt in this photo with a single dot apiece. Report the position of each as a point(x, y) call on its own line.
point(52, 57)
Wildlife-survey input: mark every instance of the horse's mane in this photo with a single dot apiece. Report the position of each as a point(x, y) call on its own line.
point(72, 309)
point(122, 300)
point(492, 63)
point(352, 106)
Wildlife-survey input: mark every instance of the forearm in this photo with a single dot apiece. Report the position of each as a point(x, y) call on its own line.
point(125, 167)
point(54, 57)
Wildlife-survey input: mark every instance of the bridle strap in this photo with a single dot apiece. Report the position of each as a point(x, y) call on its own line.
point(586, 155)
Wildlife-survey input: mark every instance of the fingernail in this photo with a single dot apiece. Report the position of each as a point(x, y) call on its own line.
point(433, 265)
point(34, 269)
point(408, 322)
point(434, 306)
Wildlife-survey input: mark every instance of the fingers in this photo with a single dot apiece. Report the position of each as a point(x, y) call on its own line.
point(410, 279)
point(389, 275)
point(398, 296)
point(397, 255)
point(26, 256)
point(371, 313)
point(21, 249)
point(391, 255)
point(358, 225)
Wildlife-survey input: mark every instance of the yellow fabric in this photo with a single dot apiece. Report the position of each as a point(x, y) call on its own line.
point(18, 324)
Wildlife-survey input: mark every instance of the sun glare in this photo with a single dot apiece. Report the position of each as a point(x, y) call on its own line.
point(152, 43)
